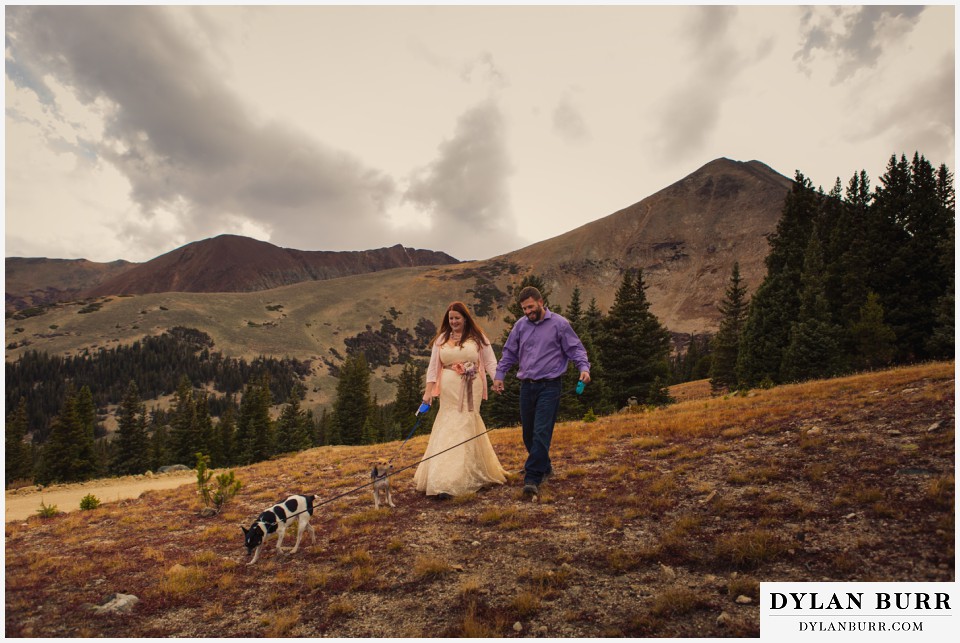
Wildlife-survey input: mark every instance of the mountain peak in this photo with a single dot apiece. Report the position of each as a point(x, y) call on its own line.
point(685, 238)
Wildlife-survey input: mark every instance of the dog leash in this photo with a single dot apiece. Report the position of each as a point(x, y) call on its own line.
point(409, 466)
point(424, 407)
point(420, 412)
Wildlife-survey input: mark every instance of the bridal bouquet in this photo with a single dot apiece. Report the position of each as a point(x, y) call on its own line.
point(468, 369)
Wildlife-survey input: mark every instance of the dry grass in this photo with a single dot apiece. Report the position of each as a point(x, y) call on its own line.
point(506, 518)
point(357, 558)
point(430, 567)
point(180, 581)
point(743, 586)
point(474, 628)
point(470, 587)
point(749, 549)
point(678, 602)
point(940, 491)
point(646, 508)
point(341, 608)
point(279, 624)
point(317, 579)
point(525, 603)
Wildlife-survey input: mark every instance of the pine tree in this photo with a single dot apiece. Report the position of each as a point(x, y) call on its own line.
point(635, 347)
point(726, 344)
point(184, 435)
point(592, 323)
point(941, 343)
point(255, 431)
point(160, 447)
point(64, 456)
point(875, 341)
point(243, 436)
point(327, 429)
point(892, 276)
point(852, 270)
point(18, 461)
point(929, 220)
point(574, 312)
point(596, 395)
point(813, 349)
point(293, 430)
point(205, 428)
point(372, 432)
point(131, 446)
point(88, 463)
point(410, 390)
point(587, 326)
point(776, 303)
point(353, 399)
point(222, 452)
point(312, 427)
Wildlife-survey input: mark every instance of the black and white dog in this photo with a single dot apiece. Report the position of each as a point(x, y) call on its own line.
point(276, 519)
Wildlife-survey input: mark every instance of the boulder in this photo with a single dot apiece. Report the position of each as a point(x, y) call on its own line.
point(117, 604)
point(173, 467)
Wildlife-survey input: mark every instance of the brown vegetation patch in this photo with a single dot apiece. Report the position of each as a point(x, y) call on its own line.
point(653, 525)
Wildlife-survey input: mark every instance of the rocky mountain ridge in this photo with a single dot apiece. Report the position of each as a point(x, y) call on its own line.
point(231, 263)
point(225, 263)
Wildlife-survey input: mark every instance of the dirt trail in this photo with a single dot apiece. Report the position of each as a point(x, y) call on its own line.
point(23, 503)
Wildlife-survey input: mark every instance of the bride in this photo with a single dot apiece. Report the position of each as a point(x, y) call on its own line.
point(461, 358)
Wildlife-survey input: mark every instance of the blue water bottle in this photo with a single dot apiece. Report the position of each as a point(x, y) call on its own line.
point(580, 386)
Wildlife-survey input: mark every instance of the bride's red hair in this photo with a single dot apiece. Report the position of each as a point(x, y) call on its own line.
point(471, 330)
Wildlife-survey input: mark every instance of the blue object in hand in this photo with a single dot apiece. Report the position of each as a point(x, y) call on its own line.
point(423, 408)
point(580, 386)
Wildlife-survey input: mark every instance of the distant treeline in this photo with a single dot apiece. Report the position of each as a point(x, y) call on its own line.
point(155, 364)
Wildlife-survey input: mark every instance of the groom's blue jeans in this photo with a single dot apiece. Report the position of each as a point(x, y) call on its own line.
point(539, 402)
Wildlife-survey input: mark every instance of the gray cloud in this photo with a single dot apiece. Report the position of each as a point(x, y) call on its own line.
point(465, 188)
point(185, 142)
point(484, 69)
point(568, 122)
point(854, 39)
point(921, 118)
point(691, 113)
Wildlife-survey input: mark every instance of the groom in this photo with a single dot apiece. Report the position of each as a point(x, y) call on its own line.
point(542, 343)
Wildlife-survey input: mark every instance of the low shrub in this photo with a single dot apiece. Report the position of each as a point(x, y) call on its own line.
point(46, 511)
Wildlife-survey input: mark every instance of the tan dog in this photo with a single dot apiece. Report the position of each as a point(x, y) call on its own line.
point(381, 483)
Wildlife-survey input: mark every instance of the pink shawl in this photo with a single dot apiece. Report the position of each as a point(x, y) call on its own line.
point(488, 363)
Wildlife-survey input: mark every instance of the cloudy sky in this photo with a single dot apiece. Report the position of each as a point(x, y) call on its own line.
point(474, 130)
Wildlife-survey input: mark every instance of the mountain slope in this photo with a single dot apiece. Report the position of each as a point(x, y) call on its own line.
point(654, 526)
point(37, 281)
point(230, 263)
point(685, 237)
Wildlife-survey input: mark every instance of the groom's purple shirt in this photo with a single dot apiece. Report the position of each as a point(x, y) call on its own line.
point(542, 349)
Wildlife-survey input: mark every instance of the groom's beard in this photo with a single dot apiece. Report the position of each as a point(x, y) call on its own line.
point(535, 315)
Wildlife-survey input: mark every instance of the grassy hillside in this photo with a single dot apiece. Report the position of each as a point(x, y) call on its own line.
point(655, 525)
point(303, 321)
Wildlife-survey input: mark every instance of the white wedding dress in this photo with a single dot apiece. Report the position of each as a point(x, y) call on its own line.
point(470, 466)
